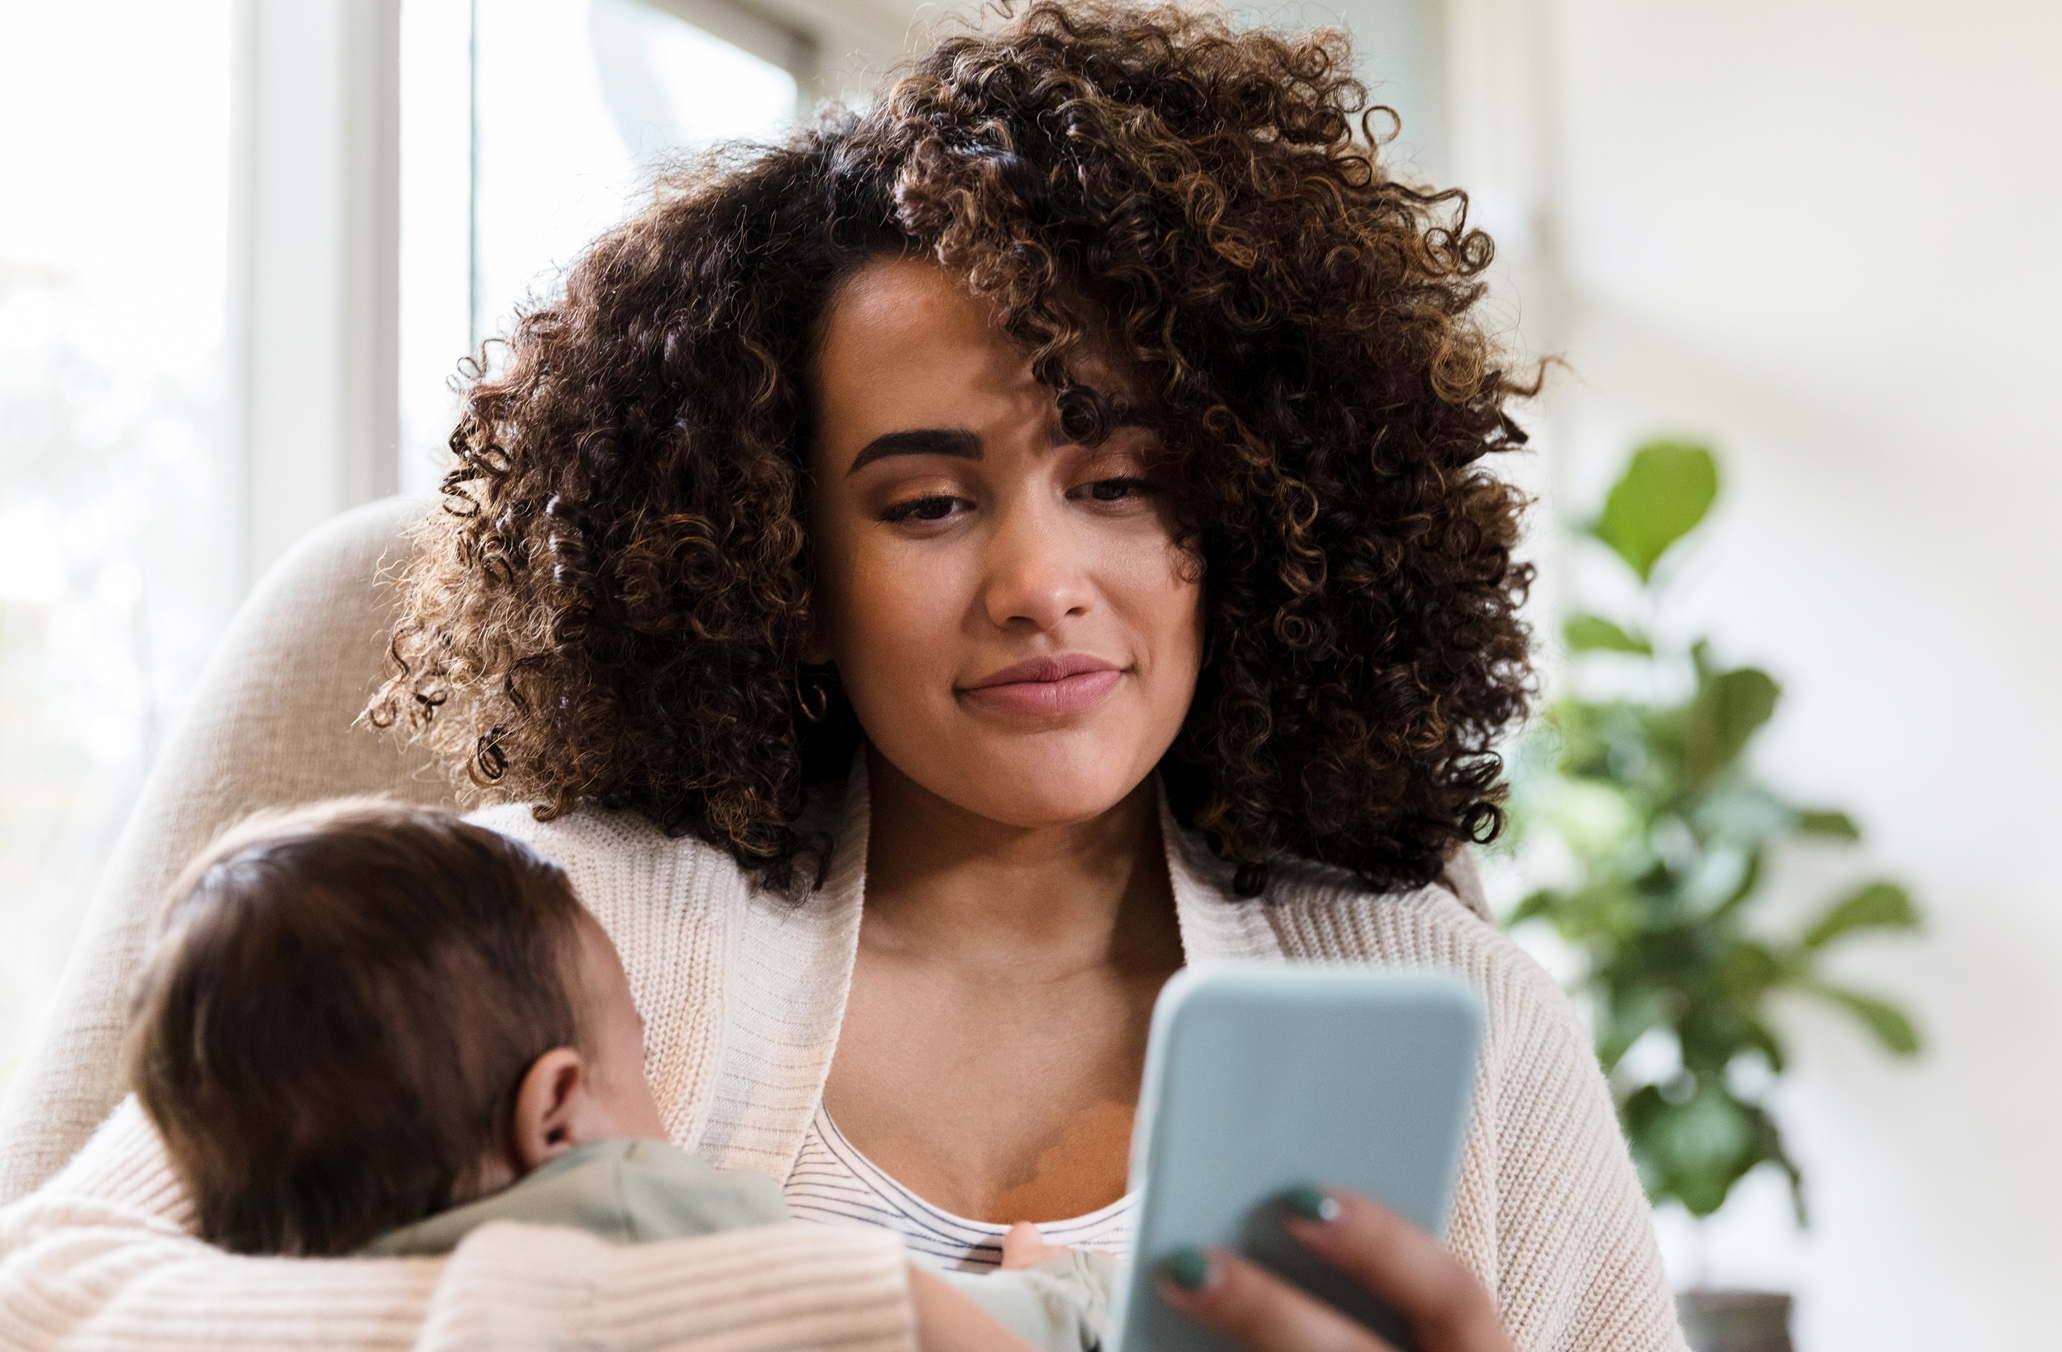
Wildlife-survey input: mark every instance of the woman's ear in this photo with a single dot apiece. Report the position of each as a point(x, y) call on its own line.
point(548, 1104)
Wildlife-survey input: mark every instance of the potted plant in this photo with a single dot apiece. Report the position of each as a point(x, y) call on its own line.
point(1642, 773)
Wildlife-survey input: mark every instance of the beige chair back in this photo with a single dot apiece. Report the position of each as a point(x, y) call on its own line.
point(270, 725)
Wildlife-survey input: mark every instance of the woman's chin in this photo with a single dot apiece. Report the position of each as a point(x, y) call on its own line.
point(1031, 783)
point(1048, 811)
point(1033, 791)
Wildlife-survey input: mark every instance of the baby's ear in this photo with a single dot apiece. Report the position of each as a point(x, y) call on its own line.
point(547, 1105)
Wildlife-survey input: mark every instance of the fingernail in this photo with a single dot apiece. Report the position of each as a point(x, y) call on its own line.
point(1312, 1204)
point(1188, 1269)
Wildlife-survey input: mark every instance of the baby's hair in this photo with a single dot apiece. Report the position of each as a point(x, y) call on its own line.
point(337, 1016)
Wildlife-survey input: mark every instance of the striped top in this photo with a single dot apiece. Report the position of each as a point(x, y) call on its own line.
point(834, 1184)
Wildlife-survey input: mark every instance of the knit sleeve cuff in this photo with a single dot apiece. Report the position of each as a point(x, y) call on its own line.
point(789, 1286)
point(94, 1280)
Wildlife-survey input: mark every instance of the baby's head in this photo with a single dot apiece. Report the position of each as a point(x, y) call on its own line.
point(362, 1012)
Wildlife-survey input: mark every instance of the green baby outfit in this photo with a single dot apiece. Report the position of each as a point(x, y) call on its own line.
point(638, 1191)
point(628, 1192)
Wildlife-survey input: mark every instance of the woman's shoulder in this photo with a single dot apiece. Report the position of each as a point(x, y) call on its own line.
point(584, 830)
point(1324, 914)
point(610, 853)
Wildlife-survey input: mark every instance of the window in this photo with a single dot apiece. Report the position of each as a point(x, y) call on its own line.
point(113, 251)
point(133, 517)
point(528, 127)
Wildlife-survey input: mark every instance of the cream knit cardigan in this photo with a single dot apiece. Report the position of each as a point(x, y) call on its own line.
point(743, 994)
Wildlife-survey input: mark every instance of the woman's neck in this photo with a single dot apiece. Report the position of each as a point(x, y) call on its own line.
point(1029, 904)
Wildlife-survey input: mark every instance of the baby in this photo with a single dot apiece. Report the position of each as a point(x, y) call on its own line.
point(368, 1028)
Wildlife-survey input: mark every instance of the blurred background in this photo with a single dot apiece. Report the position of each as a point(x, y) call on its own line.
point(243, 244)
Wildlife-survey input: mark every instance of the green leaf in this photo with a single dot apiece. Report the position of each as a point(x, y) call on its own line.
point(1828, 822)
point(1594, 633)
point(1750, 878)
point(1889, 1023)
point(1694, 1150)
point(1662, 496)
point(1730, 707)
point(1749, 969)
point(1763, 1039)
point(1663, 734)
point(1877, 905)
point(1538, 904)
point(1626, 1018)
point(1709, 1132)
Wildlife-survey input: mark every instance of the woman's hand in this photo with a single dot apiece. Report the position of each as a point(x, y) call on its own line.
point(1446, 1306)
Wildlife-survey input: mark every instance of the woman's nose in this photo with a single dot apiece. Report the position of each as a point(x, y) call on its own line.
point(1035, 575)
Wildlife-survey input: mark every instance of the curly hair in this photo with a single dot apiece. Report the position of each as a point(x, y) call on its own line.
point(612, 604)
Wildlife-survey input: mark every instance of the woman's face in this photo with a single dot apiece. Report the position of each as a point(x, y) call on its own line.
point(1008, 611)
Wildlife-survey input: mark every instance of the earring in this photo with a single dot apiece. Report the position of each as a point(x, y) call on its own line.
point(822, 707)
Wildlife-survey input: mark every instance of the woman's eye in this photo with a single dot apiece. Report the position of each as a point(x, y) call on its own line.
point(1116, 490)
point(920, 509)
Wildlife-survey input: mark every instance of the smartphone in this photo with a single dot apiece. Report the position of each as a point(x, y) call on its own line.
point(1261, 1077)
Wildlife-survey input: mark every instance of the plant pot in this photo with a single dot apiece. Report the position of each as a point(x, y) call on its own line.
point(1735, 1321)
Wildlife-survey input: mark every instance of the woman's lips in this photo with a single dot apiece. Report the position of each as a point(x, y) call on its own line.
point(1065, 684)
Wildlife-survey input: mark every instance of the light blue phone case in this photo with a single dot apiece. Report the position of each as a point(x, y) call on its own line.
point(1263, 1076)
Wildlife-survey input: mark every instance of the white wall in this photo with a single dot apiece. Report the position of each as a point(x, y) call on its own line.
point(1822, 234)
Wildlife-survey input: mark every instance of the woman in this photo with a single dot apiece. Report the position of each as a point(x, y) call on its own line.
point(928, 582)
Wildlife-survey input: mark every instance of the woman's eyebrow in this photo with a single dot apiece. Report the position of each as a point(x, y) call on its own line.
point(953, 441)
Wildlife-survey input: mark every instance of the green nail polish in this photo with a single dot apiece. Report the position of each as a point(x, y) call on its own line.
point(1188, 1269)
point(1311, 1204)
